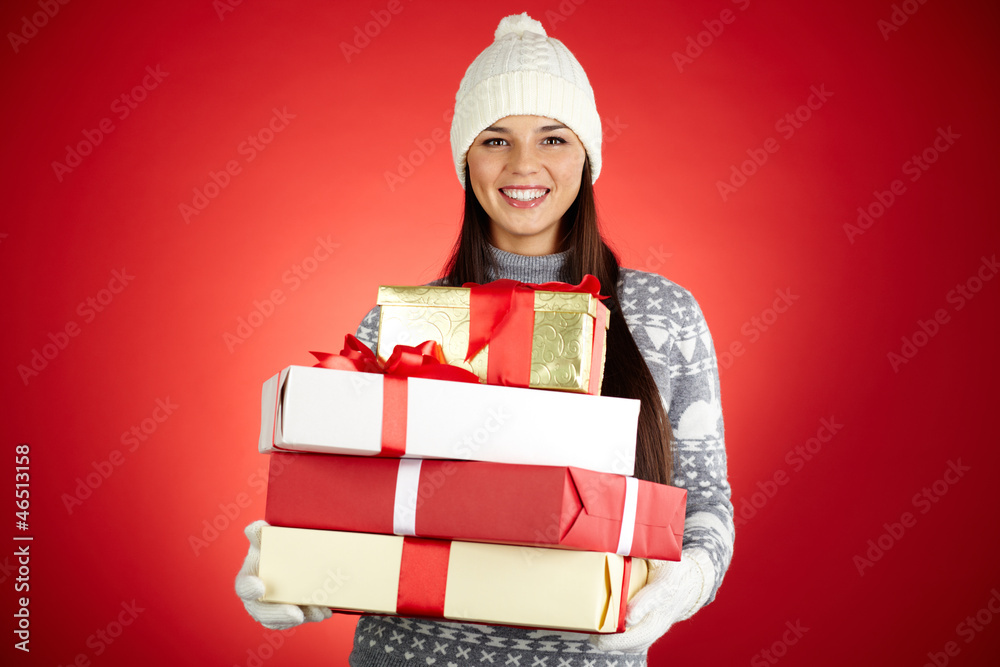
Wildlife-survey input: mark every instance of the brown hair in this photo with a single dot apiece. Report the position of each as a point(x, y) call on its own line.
point(625, 372)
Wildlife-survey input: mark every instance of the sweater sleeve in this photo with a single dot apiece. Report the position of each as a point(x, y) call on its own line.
point(672, 335)
point(367, 331)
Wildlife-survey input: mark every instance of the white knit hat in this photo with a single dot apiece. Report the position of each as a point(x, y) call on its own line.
point(524, 73)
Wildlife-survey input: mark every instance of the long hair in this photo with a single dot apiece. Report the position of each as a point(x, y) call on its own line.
point(625, 371)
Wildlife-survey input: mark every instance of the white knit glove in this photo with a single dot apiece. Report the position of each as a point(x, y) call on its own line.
point(250, 588)
point(674, 591)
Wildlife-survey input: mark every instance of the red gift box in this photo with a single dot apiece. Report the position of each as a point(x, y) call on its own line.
point(549, 506)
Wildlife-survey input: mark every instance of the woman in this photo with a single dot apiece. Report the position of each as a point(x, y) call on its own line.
point(526, 141)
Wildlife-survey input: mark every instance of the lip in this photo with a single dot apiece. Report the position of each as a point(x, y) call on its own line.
point(524, 204)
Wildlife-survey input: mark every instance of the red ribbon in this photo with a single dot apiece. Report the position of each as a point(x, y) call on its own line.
point(502, 313)
point(423, 577)
point(423, 361)
point(626, 577)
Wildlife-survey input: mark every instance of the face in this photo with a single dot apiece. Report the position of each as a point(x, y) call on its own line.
point(526, 171)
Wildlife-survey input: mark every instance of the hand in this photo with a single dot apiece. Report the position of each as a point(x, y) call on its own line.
point(674, 590)
point(250, 588)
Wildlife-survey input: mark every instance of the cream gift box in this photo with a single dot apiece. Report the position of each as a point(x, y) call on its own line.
point(461, 581)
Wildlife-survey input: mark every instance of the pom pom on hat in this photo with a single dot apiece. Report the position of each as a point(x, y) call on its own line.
point(518, 24)
point(524, 72)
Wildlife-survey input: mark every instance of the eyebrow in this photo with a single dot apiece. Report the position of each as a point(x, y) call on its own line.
point(543, 129)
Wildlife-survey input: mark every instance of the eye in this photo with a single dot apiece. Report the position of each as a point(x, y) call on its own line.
point(494, 141)
point(553, 141)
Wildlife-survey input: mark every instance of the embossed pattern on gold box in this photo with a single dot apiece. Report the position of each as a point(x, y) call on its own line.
point(562, 343)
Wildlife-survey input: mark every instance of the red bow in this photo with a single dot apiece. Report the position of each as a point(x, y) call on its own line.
point(423, 361)
point(503, 311)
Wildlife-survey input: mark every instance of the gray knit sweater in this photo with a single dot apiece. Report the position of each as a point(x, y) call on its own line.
point(672, 335)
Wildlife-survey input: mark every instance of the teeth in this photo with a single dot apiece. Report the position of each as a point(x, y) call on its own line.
point(524, 195)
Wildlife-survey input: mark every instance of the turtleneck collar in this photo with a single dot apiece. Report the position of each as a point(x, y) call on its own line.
point(527, 268)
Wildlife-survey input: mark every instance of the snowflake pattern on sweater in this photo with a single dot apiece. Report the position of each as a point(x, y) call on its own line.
point(672, 335)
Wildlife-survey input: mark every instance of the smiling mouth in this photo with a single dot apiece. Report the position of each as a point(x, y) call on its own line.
point(524, 195)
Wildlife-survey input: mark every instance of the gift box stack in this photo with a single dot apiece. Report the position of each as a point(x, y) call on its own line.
point(478, 476)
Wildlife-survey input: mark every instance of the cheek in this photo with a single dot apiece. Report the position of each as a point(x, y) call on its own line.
point(483, 193)
point(476, 180)
point(570, 178)
point(480, 196)
point(481, 173)
point(574, 192)
point(572, 172)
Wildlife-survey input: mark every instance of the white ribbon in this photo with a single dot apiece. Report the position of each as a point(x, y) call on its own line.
point(628, 516)
point(404, 509)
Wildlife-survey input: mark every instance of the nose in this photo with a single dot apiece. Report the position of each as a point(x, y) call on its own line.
point(524, 159)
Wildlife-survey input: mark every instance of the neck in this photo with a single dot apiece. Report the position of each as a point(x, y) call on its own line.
point(529, 268)
point(535, 244)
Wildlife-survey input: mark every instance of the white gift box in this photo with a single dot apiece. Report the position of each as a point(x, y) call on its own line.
point(306, 409)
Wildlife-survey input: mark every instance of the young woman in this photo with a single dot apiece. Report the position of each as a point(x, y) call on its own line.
point(526, 141)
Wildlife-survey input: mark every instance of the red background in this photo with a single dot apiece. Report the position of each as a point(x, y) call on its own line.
point(672, 135)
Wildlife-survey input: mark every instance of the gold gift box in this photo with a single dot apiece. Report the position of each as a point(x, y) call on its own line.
point(487, 583)
point(561, 347)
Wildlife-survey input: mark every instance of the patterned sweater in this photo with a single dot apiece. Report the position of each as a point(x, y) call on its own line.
point(672, 335)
